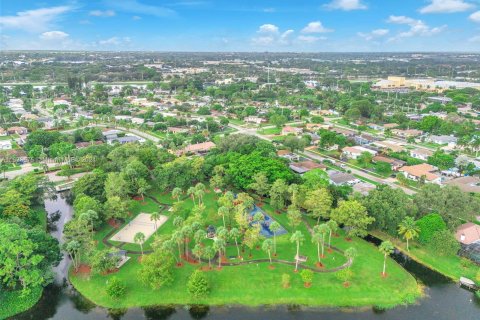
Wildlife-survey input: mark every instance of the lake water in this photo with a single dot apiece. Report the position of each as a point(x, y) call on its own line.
point(444, 300)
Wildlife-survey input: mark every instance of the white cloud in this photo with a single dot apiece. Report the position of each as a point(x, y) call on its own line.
point(136, 18)
point(115, 41)
point(377, 33)
point(346, 5)
point(268, 28)
point(417, 27)
point(446, 6)
point(475, 17)
point(100, 13)
point(54, 35)
point(269, 10)
point(285, 38)
point(309, 39)
point(315, 27)
point(37, 20)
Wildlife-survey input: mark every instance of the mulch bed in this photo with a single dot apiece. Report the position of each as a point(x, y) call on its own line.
point(271, 267)
point(319, 265)
point(307, 284)
point(113, 223)
point(137, 198)
point(260, 204)
point(110, 271)
point(346, 284)
point(83, 269)
point(384, 275)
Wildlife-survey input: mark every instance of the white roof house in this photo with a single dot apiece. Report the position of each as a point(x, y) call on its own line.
point(5, 144)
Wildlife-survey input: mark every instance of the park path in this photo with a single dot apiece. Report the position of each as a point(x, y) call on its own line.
point(232, 264)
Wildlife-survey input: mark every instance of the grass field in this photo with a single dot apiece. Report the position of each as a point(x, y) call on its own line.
point(255, 284)
point(450, 266)
point(12, 302)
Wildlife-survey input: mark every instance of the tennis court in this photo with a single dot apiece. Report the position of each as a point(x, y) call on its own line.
point(141, 223)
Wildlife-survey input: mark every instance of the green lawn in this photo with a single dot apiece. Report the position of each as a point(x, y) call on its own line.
point(255, 284)
point(269, 131)
point(449, 266)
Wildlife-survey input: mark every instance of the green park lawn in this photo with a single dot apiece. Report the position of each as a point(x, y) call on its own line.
point(255, 283)
point(450, 266)
point(13, 302)
point(270, 131)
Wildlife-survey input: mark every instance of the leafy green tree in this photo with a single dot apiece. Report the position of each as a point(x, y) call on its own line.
point(157, 269)
point(344, 275)
point(267, 246)
point(315, 179)
point(428, 225)
point(278, 194)
point(198, 284)
point(19, 263)
point(318, 203)
point(209, 254)
point(116, 208)
point(365, 159)
point(307, 276)
point(298, 238)
point(278, 120)
point(177, 193)
point(354, 216)
point(115, 288)
point(386, 248)
point(198, 251)
point(155, 216)
point(294, 217)
point(294, 143)
point(443, 243)
point(408, 229)
point(442, 160)
point(260, 184)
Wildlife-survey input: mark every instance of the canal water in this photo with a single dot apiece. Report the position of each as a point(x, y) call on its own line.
point(444, 299)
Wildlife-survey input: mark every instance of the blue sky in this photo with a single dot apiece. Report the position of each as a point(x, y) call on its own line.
point(241, 25)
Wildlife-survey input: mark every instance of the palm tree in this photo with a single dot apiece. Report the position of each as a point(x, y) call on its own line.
point(322, 229)
point(90, 216)
point(178, 222)
point(155, 216)
point(199, 236)
point(222, 233)
point(267, 246)
point(223, 211)
point(317, 239)
point(386, 247)
point(186, 233)
point(351, 253)
point(234, 234)
point(219, 246)
point(409, 229)
point(200, 193)
point(297, 237)
point(177, 237)
point(209, 254)
point(140, 239)
point(176, 193)
point(191, 193)
point(275, 227)
point(333, 226)
point(198, 251)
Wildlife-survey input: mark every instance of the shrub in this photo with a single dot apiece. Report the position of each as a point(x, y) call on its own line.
point(198, 284)
point(307, 276)
point(444, 243)
point(115, 288)
point(344, 275)
point(428, 225)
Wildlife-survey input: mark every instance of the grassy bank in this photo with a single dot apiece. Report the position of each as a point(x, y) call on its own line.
point(451, 266)
point(12, 302)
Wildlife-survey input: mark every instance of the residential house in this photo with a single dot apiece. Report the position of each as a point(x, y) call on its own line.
point(421, 154)
point(253, 119)
point(3, 132)
point(355, 152)
point(345, 132)
point(288, 155)
point(390, 126)
point(291, 130)
point(17, 130)
point(199, 148)
point(305, 166)
point(409, 133)
point(451, 141)
point(177, 130)
point(81, 145)
point(5, 144)
point(388, 145)
point(28, 116)
point(468, 233)
point(466, 184)
point(341, 178)
point(395, 163)
point(422, 171)
point(364, 138)
point(363, 188)
point(316, 126)
point(48, 123)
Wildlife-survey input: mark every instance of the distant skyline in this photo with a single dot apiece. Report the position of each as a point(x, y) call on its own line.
point(281, 25)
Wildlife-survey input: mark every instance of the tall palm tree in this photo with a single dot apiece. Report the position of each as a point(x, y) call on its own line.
point(386, 247)
point(198, 251)
point(322, 229)
point(139, 238)
point(409, 229)
point(275, 227)
point(155, 216)
point(177, 237)
point(267, 246)
point(298, 238)
point(317, 239)
point(209, 254)
point(219, 246)
point(234, 234)
point(223, 211)
point(191, 193)
point(199, 236)
point(200, 193)
point(333, 226)
point(176, 193)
